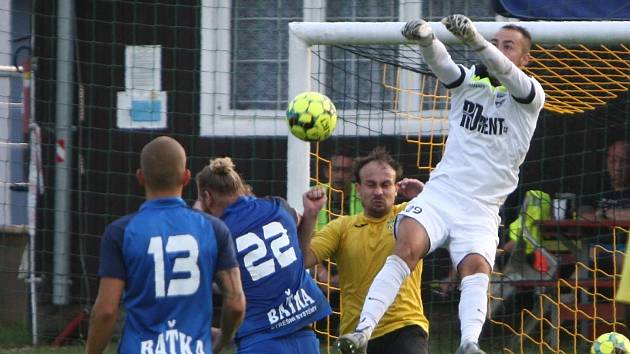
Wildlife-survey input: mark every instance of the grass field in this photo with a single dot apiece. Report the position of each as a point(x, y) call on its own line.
point(80, 349)
point(69, 350)
point(15, 339)
point(49, 350)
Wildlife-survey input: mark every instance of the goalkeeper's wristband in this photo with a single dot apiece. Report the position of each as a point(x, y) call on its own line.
point(477, 43)
point(426, 42)
point(479, 49)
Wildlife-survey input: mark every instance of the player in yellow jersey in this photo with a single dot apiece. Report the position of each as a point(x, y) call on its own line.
point(361, 243)
point(623, 294)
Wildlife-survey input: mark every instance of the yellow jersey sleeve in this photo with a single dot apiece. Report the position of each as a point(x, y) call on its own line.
point(325, 242)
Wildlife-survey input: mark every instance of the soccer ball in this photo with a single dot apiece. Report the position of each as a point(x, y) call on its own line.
point(311, 116)
point(611, 343)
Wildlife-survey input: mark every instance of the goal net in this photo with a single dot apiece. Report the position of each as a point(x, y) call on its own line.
point(109, 76)
point(387, 96)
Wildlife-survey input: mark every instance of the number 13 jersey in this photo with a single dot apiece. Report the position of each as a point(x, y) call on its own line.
point(167, 255)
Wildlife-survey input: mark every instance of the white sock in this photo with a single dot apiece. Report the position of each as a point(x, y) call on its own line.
point(473, 305)
point(382, 293)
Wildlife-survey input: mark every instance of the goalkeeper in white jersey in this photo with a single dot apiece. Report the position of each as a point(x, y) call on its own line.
point(494, 109)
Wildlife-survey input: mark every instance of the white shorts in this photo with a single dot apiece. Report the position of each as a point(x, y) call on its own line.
point(461, 224)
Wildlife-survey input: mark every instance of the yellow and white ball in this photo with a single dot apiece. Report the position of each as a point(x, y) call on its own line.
point(611, 343)
point(311, 116)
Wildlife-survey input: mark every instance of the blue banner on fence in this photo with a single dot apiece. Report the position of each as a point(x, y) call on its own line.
point(565, 10)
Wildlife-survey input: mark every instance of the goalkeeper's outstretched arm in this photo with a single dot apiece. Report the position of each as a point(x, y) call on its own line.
point(434, 52)
point(499, 66)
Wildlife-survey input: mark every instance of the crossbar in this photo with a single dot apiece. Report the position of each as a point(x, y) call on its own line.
point(543, 32)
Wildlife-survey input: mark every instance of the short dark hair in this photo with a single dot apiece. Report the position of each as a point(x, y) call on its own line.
point(163, 162)
point(379, 154)
point(522, 30)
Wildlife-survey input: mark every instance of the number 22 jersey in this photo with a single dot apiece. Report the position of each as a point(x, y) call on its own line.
point(282, 298)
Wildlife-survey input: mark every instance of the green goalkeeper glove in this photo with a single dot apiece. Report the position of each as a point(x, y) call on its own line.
point(463, 28)
point(420, 31)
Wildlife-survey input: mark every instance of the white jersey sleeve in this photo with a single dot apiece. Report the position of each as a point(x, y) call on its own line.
point(439, 61)
point(514, 79)
point(489, 135)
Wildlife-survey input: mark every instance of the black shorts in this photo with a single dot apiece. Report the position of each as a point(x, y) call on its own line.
point(406, 340)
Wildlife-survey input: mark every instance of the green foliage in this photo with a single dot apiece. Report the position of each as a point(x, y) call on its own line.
point(14, 335)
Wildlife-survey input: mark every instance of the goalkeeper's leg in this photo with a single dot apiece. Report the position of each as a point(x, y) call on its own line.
point(412, 244)
point(473, 249)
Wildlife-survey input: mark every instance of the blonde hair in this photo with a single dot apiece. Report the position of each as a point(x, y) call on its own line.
point(221, 177)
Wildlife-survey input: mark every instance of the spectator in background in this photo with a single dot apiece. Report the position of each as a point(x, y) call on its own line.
point(343, 201)
point(165, 258)
point(360, 243)
point(343, 191)
point(614, 204)
point(282, 298)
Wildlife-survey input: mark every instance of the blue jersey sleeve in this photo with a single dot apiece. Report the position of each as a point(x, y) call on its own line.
point(226, 254)
point(112, 264)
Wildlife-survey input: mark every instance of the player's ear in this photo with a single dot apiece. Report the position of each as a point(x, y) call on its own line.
point(204, 201)
point(208, 199)
point(525, 58)
point(186, 178)
point(140, 176)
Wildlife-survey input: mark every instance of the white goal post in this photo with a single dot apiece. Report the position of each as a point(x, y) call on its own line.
point(304, 35)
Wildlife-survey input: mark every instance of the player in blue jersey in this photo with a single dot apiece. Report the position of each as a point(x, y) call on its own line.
point(282, 298)
point(164, 257)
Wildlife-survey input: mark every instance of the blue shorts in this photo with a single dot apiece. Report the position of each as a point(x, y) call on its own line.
point(301, 342)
